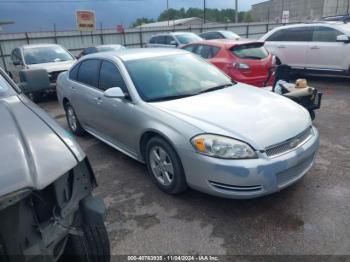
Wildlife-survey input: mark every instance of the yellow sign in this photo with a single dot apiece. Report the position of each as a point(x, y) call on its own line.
point(86, 20)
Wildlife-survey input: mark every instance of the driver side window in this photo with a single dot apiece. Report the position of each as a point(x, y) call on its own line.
point(110, 76)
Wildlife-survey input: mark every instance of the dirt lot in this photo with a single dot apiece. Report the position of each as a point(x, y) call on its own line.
point(311, 217)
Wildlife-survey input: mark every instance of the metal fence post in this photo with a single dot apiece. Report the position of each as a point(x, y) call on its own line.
point(55, 33)
point(141, 39)
point(247, 32)
point(3, 58)
point(101, 34)
point(27, 38)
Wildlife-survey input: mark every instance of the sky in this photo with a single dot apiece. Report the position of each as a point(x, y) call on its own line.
point(41, 15)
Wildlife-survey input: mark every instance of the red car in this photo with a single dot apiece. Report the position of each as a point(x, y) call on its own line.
point(244, 61)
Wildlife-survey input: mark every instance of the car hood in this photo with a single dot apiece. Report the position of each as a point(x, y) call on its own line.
point(53, 67)
point(34, 153)
point(247, 113)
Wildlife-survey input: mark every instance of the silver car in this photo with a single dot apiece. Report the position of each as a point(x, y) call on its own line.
point(189, 123)
point(46, 204)
point(173, 40)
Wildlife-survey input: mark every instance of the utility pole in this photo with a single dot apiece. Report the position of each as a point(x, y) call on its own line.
point(167, 10)
point(204, 11)
point(236, 12)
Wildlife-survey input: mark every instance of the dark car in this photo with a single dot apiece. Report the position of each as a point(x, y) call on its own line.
point(100, 48)
point(46, 206)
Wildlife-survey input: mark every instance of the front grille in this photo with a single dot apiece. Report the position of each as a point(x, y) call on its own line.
point(53, 76)
point(233, 188)
point(293, 173)
point(290, 144)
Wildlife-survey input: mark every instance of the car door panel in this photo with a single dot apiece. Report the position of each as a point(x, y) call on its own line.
point(324, 52)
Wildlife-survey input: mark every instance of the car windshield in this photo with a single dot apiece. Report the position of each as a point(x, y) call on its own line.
point(188, 38)
point(48, 54)
point(5, 88)
point(174, 76)
point(251, 51)
point(230, 35)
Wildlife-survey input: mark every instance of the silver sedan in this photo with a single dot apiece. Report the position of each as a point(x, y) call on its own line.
point(189, 123)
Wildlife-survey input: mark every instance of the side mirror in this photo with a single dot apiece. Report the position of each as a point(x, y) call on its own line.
point(17, 62)
point(343, 38)
point(114, 92)
point(173, 42)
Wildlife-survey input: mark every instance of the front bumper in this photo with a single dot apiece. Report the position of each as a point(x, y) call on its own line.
point(244, 179)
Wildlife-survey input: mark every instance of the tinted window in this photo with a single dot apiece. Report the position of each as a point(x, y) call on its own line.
point(207, 51)
point(251, 51)
point(163, 78)
point(298, 34)
point(89, 71)
point(73, 73)
point(90, 50)
point(111, 77)
point(211, 35)
point(325, 34)
point(161, 40)
point(168, 40)
point(16, 55)
point(153, 40)
point(190, 48)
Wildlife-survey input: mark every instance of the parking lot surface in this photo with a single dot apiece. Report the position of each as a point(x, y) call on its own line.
point(309, 218)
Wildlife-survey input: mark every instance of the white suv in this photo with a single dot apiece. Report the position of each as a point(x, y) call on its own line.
point(317, 47)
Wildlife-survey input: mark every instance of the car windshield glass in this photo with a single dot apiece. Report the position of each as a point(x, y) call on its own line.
point(174, 76)
point(230, 35)
point(49, 54)
point(251, 51)
point(188, 38)
point(5, 88)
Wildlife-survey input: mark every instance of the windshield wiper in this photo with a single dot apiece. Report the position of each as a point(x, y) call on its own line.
point(216, 88)
point(167, 98)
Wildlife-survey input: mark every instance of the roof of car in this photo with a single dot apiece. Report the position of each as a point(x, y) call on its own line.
point(227, 43)
point(37, 46)
point(138, 53)
point(173, 33)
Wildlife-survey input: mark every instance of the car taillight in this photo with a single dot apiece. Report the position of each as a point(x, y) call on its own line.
point(241, 66)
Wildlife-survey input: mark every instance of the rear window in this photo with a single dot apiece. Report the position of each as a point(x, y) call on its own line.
point(250, 51)
point(89, 71)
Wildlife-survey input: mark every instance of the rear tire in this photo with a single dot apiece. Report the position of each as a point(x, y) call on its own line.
point(72, 120)
point(92, 246)
point(164, 166)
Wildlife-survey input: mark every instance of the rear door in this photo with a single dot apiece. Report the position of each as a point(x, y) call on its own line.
point(86, 97)
point(290, 45)
point(324, 52)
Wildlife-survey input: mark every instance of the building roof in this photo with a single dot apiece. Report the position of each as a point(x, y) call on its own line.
point(177, 22)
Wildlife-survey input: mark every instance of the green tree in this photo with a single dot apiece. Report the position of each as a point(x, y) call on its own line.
point(141, 21)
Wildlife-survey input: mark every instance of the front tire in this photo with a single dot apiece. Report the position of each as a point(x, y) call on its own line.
point(35, 97)
point(164, 166)
point(72, 120)
point(92, 246)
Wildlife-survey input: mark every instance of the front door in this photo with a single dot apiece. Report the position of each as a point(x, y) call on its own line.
point(324, 52)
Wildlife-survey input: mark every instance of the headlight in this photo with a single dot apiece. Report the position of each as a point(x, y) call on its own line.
point(222, 147)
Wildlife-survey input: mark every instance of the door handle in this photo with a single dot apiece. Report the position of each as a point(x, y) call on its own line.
point(72, 88)
point(315, 47)
point(281, 46)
